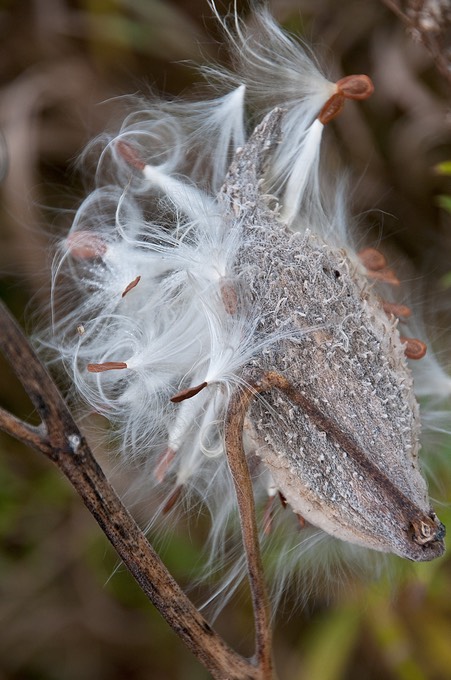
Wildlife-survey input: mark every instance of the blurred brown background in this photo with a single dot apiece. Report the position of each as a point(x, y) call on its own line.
point(65, 611)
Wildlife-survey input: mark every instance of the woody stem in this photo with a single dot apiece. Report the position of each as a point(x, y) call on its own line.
point(236, 457)
point(59, 439)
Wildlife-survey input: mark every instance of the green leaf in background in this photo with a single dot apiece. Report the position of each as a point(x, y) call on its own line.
point(393, 639)
point(446, 280)
point(443, 168)
point(151, 27)
point(444, 201)
point(329, 644)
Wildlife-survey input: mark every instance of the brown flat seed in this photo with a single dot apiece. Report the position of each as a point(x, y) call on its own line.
point(172, 500)
point(85, 246)
point(229, 298)
point(331, 108)
point(163, 464)
point(400, 311)
point(385, 275)
point(130, 156)
point(188, 393)
point(131, 285)
point(414, 348)
point(372, 259)
point(301, 521)
point(107, 366)
point(356, 87)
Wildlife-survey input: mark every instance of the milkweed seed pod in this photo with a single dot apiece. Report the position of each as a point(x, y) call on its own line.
point(212, 262)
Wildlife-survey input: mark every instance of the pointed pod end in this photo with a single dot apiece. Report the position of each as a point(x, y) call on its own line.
point(428, 533)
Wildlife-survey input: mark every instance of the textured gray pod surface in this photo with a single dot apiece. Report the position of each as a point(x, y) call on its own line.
point(341, 443)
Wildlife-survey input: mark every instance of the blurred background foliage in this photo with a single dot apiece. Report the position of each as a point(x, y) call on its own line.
point(67, 609)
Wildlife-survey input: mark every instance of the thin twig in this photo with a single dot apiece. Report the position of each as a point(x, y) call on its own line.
point(394, 7)
point(430, 38)
point(24, 432)
point(59, 439)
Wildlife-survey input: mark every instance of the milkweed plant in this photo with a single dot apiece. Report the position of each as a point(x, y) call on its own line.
point(181, 284)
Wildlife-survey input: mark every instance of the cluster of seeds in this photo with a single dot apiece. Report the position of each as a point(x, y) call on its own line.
point(213, 261)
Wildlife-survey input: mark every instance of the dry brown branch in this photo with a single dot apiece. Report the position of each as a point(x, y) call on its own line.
point(59, 439)
point(428, 22)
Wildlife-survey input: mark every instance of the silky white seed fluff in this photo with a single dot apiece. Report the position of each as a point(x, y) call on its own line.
point(148, 271)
